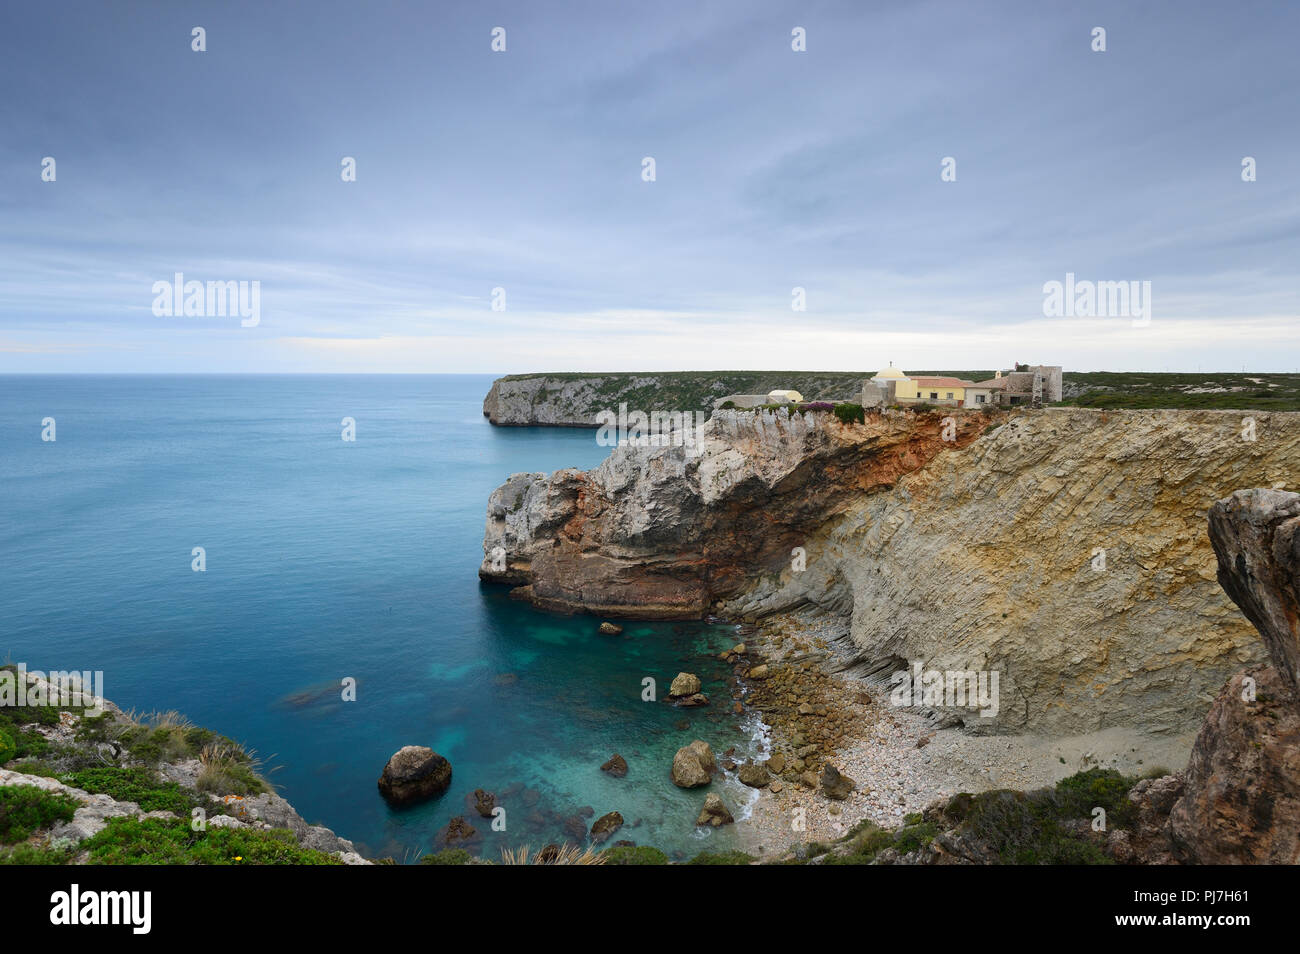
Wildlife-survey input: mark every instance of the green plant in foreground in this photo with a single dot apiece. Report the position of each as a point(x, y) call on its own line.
point(160, 841)
point(25, 810)
point(635, 855)
point(448, 856)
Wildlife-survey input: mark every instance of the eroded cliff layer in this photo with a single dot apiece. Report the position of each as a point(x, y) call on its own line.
point(1064, 549)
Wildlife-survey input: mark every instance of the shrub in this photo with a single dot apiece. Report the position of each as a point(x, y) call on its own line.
point(35, 855)
point(448, 856)
point(850, 413)
point(1079, 794)
point(139, 785)
point(161, 841)
point(24, 810)
point(8, 747)
point(635, 855)
point(227, 770)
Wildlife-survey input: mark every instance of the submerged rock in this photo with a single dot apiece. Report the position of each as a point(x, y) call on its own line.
point(616, 766)
point(415, 773)
point(484, 802)
point(606, 825)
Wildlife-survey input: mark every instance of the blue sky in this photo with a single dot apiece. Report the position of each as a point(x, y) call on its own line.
point(522, 170)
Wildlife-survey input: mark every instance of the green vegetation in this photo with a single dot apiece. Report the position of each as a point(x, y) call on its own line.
point(697, 390)
point(35, 855)
point(635, 855)
point(8, 747)
point(24, 810)
point(139, 785)
point(448, 856)
point(157, 841)
point(1137, 390)
point(850, 413)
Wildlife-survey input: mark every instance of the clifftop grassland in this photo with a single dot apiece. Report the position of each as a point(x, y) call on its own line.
point(574, 399)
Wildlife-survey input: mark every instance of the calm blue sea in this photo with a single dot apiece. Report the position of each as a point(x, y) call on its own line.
point(328, 559)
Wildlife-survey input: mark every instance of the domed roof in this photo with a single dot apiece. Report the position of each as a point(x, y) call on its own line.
point(890, 372)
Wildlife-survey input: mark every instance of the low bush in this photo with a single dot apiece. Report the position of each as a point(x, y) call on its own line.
point(160, 841)
point(25, 810)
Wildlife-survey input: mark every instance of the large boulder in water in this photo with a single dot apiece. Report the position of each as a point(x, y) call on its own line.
point(693, 765)
point(415, 773)
point(686, 684)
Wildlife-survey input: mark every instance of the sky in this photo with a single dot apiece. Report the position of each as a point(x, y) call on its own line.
point(820, 169)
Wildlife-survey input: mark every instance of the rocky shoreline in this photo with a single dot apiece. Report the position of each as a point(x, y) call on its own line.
point(900, 761)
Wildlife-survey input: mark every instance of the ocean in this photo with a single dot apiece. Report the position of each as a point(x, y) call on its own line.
point(328, 560)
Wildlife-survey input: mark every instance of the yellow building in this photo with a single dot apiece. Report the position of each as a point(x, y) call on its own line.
point(932, 390)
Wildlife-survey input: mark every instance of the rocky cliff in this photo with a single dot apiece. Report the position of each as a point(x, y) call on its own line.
point(1064, 549)
point(574, 400)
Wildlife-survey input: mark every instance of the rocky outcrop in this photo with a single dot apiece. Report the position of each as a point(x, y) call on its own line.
point(669, 532)
point(415, 773)
point(616, 766)
point(1256, 536)
point(1240, 803)
point(1064, 549)
point(1241, 796)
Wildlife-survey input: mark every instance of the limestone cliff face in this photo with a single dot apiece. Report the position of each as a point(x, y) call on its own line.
point(671, 531)
point(981, 553)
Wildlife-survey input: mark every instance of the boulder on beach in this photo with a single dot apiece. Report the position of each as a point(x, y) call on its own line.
point(693, 765)
point(616, 766)
point(609, 629)
point(606, 825)
point(835, 785)
point(714, 813)
point(754, 774)
point(415, 773)
point(758, 672)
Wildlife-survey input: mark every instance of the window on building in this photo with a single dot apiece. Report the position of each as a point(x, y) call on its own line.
point(979, 399)
point(934, 395)
point(949, 396)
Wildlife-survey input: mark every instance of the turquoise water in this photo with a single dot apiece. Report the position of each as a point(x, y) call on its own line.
point(325, 560)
